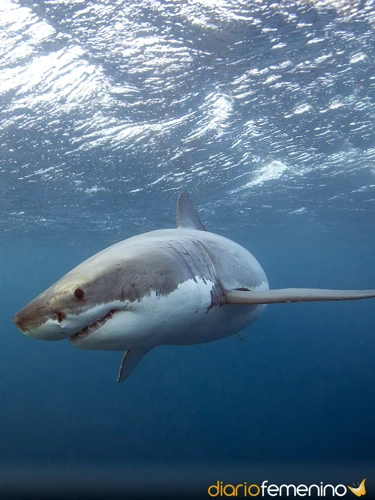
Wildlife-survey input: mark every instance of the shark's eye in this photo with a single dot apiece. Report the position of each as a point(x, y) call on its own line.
point(79, 294)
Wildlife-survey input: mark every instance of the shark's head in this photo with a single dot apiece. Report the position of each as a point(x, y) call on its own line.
point(99, 301)
point(77, 305)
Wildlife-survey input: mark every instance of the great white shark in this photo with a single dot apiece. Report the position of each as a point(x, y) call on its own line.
point(178, 286)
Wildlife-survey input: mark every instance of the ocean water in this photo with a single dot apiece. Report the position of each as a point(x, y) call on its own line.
point(265, 113)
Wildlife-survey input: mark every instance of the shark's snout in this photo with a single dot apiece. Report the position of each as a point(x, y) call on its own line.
point(36, 323)
point(27, 319)
point(18, 320)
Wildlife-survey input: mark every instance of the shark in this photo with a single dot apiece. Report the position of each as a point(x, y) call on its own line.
point(180, 286)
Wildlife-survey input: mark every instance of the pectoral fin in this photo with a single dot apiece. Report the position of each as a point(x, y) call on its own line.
point(129, 362)
point(294, 295)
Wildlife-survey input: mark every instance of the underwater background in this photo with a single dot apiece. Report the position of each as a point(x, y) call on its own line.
point(265, 113)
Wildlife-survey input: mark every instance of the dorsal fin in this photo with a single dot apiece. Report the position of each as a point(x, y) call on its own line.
point(187, 217)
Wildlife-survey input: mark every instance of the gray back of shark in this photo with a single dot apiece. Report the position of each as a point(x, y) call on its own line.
point(175, 286)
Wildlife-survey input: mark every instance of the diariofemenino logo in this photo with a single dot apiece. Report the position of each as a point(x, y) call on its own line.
point(219, 489)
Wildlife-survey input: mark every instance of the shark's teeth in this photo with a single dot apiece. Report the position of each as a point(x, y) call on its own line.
point(89, 329)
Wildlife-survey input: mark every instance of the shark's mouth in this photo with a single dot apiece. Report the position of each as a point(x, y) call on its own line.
point(89, 329)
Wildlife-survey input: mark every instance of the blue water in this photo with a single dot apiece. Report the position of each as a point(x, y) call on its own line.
point(265, 113)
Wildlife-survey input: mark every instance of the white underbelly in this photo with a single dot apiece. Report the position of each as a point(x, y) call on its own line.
point(183, 317)
point(218, 323)
point(154, 320)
